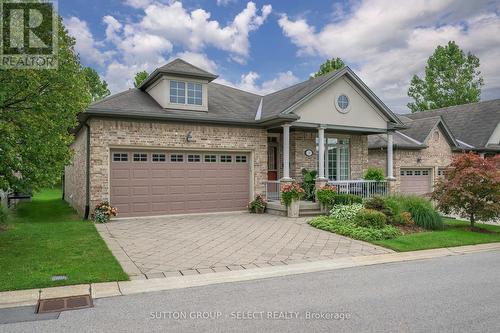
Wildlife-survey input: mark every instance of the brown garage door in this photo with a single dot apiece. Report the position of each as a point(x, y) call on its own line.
point(415, 181)
point(146, 183)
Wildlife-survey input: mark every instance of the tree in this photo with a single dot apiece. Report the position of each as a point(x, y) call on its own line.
point(471, 188)
point(139, 78)
point(451, 78)
point(37, 110)
point(329, 66)
point(98, 89)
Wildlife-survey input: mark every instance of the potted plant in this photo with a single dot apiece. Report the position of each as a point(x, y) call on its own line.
point(290, 196)
point(326, 197)
point(103, 212)
point(258, 205)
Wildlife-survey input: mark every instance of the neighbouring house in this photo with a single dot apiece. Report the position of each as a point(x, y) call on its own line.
point(426, 147)
point(181, 143)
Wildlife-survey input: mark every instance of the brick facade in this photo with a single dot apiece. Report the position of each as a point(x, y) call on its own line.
point(302, 140)
point(75, 174)
point(106, 134)
point(437, 155)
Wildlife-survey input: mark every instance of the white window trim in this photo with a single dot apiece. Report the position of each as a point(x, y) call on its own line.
point(186, 83)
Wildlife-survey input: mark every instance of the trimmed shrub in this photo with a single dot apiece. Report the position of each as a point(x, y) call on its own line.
point(374, 174)
point(345, 212)
point(352, 230)
point(370, 218)
point(421, 210)
point(378, 204)
point(347, 199)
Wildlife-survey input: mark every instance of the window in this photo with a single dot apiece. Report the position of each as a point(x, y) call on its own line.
point(177, 92)
point(176, 158)
point(241, 159)
point(425, 172)
point(409, 173)
point(417, 173)
point(186, 93)
point(194, 158)
point(343, 102)
point(140, 157)
point(402, 173)
point(337, 158)
point(210, 158)
point(120, 157)
point(225, 158)
point(194, 94)
point(158, 158)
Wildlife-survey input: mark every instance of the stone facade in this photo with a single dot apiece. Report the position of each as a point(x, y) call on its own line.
point(75, 174)
point(437, 155)
point(107, 134)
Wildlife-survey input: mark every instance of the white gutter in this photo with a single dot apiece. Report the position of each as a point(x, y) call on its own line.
point(409, 138)
point(465, 144)
point(258, 115)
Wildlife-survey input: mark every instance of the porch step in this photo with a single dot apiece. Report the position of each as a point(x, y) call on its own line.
point(309, 213)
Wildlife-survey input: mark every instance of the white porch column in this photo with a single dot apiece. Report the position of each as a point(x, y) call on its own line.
point(286, 152)
point(390, 167)
point(321, 152)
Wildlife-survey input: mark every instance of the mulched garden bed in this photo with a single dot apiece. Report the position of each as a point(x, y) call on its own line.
point(410, 229)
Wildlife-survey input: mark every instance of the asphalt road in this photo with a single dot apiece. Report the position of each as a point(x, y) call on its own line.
point(449, 294)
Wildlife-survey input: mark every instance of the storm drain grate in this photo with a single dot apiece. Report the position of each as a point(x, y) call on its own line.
point(64, 304)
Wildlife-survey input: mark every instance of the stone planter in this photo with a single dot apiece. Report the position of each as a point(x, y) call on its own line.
point(259, 210)
point(293, 208)
point(325, 209)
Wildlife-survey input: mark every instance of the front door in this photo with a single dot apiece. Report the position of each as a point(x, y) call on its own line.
point(272, 158)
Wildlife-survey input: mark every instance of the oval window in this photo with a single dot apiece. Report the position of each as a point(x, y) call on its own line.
point(343, 103)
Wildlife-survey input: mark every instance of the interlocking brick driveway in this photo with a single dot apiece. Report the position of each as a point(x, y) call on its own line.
point(196, 244)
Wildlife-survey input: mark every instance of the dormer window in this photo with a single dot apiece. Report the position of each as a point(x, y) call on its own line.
point(193, 95)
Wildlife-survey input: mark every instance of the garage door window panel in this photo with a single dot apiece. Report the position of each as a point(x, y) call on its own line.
point(194, 158)
point(226, 159)
point(176, 158)
point(120, 157)
point(140, 157)
point(157, 157)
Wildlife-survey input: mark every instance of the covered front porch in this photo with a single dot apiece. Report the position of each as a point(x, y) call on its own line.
point(339, 155)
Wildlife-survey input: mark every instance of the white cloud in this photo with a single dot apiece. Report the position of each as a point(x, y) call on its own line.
point(198, 59)
point(138, 3)
point(196, 31)
point(225, 2)
point(248, 82)
point(86, 46)
point(390, 41)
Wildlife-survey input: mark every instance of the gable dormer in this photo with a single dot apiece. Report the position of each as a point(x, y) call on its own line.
point(179, 85)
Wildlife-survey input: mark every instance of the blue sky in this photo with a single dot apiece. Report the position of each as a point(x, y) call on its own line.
point(263, 46)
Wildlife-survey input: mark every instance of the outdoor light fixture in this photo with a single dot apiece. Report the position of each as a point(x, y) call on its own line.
point(189, 137)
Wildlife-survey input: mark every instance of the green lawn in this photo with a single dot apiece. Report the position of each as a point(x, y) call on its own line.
point(456, 233)
point(44, 238)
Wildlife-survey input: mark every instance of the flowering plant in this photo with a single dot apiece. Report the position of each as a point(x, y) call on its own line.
point(326, 194)
point(291, 192)
point(258, 205)
point(103, 212)
point(345, 212)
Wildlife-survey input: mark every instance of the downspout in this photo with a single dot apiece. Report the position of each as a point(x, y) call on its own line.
point(87, 181)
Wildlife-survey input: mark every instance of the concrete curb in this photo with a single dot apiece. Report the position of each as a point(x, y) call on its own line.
point(109, 289)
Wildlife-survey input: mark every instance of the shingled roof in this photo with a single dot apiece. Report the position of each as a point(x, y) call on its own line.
point(468, 126)
point(472, 123)
point(225, 103)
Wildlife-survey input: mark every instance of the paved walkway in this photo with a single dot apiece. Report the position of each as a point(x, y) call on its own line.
point(198, 244)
